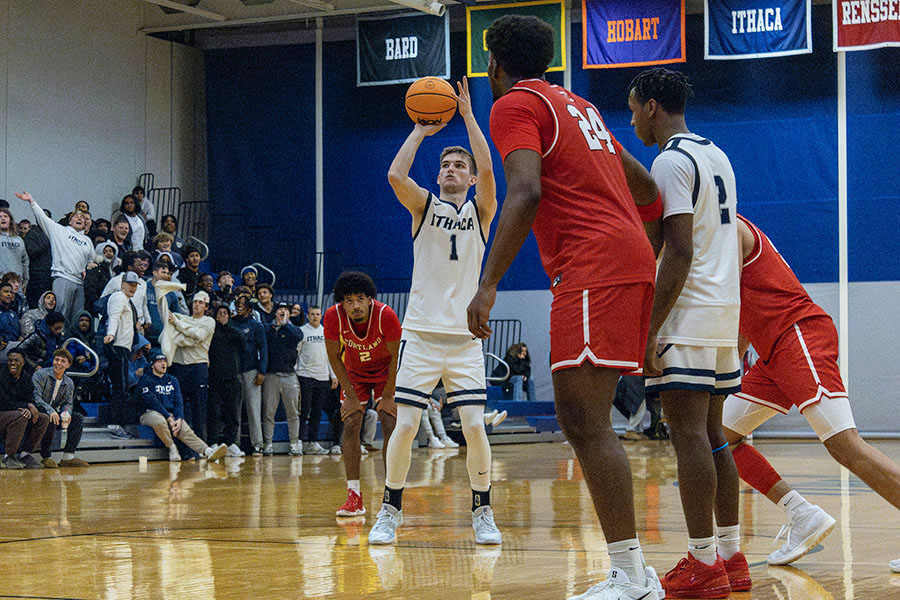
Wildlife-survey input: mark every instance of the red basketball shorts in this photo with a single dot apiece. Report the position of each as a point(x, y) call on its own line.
point(607, 326)
point(374, 390)
point(802, 370)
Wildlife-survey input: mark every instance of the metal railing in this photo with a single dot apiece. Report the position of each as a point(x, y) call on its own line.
point(145, 180)
point(166, 202)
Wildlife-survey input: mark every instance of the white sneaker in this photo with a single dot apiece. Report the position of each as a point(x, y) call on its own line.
point(336, 449)
point(362, 450)
point(434, 442)
point(234, 451)
point(174, 456)
point(384, 531)
point(489, 416)
point(802, 534)
point(618, 587)
point(313, 448)
point(215, 452)
point(895, 566)
point(297, 449)
point(268, 449)
point(498, 418)
point(486, 531)
point(448, 442)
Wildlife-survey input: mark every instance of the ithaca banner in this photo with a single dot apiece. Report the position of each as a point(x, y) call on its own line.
point(624, 33)
point(479, 18)
point(865, 25)
point(754, 29)
point(402, 48)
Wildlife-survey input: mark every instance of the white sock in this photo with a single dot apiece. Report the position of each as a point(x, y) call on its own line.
point(399, 450)
point(793, 503)
point(353, 484)
point(68, 455)
point(728, 540)
point(626, 555)
point(703, 549)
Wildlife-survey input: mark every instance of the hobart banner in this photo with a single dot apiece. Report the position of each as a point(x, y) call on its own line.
point(863, 25)
point(624, 33)
point(402, 48)
point(479, 18)
point(756, 28)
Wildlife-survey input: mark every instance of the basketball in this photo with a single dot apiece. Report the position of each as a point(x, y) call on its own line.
point(430, 101)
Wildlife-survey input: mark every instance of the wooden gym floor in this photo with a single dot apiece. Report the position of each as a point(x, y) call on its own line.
point(265, 528)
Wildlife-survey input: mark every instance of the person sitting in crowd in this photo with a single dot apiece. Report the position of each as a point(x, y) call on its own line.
point(96, 278)
point(37, 245)
point(265, 306)
point(282, 338)
point(147, 210)
point(71, 251)
point(224, 295)
point(13, 279)
point(10, 328)
point(191, 271)
point(13, 256)
point(21, 423)
point(46, 303)
point(161, 272)
point(224, 408)
point(38, 347)
point(205, 284)
point(169, 225)
point(122, 317)
point(132, 262)
point(162, 243)
point(519, 380)
point(132, 212)
point(248, 279)
point(101, 226)
point(121, 234)
point(54, 395)
point(83, 331)
point(138, 362)
point(163, 410)
point(254, 363)
point(23, 227)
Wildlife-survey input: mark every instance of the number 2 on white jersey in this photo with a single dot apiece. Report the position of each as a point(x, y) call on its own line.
point(593, 128)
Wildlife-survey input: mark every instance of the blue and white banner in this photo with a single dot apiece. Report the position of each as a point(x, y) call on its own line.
point(756, 28)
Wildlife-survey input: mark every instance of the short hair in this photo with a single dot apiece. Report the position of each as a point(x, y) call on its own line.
point(353, 282)
point(162, 237)
point(98, 222)
point(11, 276)
point(137, 188)
point(313, 307)
point(5, 284)
point(464, 152)
point(670, 89)
point(129, 259)
point(224, 274)
point(161, 264)
point(223, 307)
point(122, 219)
point(53, 318)
point(173, 217)
point(265, 286)
point(65, 354)
point(522, 45)
point(187, 250)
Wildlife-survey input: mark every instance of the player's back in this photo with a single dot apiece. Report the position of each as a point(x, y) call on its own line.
point(772, 298)
point(366, 355)
point(447, 252)
point(708, 308)
point(587, 226)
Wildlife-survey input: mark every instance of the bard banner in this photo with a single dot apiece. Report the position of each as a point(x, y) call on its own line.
point(401, 49)
point(479, 18)
point(743, 29)
point(865, 25)
point(624, 33)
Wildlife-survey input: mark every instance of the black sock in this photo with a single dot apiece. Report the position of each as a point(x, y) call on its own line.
point(480, 499)
point(393, 497)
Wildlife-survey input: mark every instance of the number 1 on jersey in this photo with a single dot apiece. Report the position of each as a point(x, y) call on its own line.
point(453, 254)
point(593, 128)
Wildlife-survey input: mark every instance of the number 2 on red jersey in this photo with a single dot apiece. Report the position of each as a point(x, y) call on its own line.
point(593, 128)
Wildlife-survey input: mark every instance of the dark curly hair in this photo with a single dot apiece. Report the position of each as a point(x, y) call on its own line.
point(353, 282)
point(670, 89)
point(522, 45)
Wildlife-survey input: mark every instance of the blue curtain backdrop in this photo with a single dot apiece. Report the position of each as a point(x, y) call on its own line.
point(775, 118)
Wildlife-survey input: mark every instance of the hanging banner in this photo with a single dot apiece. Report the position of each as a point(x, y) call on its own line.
point(745, 29)
point(479, 18)
point(865, 25)
point(624, 33)
point(401, 48)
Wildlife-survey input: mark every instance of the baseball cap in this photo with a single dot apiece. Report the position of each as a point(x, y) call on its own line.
point(157, 356)
point(202, 296)
point(130, 277)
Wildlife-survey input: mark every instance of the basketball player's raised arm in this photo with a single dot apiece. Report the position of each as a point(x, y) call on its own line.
point(523, 194)
point(485, 185)
point(409, 193)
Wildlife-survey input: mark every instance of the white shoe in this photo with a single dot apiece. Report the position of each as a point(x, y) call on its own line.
point(486, 531)
point(618, 587)
point(234, 451)
point(895, 566)
point(313, 448)
point(802, 534)
point(363, 451)
point(268, 449)
point(448, 442)
point(384, 531)
point(434, 442)
point(174, 456)
point(297, 449)
point(336, 449)
point(489, 416)
point(215, 452)
point(498, 418)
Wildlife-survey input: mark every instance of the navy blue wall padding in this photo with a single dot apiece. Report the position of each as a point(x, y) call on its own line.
point(775, 118)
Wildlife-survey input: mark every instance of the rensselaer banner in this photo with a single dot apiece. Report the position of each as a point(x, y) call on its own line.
point(866, 24)
point(401, 48)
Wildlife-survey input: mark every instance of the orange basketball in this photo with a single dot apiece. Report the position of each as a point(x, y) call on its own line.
point(430, 101)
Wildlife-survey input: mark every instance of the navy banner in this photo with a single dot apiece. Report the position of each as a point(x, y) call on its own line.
point(624, 33)
point(756, 28)
point(402, 48)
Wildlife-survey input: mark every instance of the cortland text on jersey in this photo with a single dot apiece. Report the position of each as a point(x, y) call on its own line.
point(362, 347)
point(451, 224)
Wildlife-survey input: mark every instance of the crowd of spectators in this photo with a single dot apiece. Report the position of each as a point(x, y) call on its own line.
point(120, 313)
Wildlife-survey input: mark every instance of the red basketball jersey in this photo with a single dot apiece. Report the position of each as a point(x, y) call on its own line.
point(366, 355)
point(772, 299)
point(588, 230)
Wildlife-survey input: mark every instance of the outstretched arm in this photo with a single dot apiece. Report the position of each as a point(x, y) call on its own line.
point(408, 192)
point(485, 185)
point(45, 222)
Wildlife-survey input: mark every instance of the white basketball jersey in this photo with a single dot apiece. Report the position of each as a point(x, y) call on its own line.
point(694, 175)
point(447, 252)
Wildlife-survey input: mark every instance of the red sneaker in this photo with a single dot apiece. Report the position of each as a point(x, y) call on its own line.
point(738, 572)
point(353, 507)
point(693, 579)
